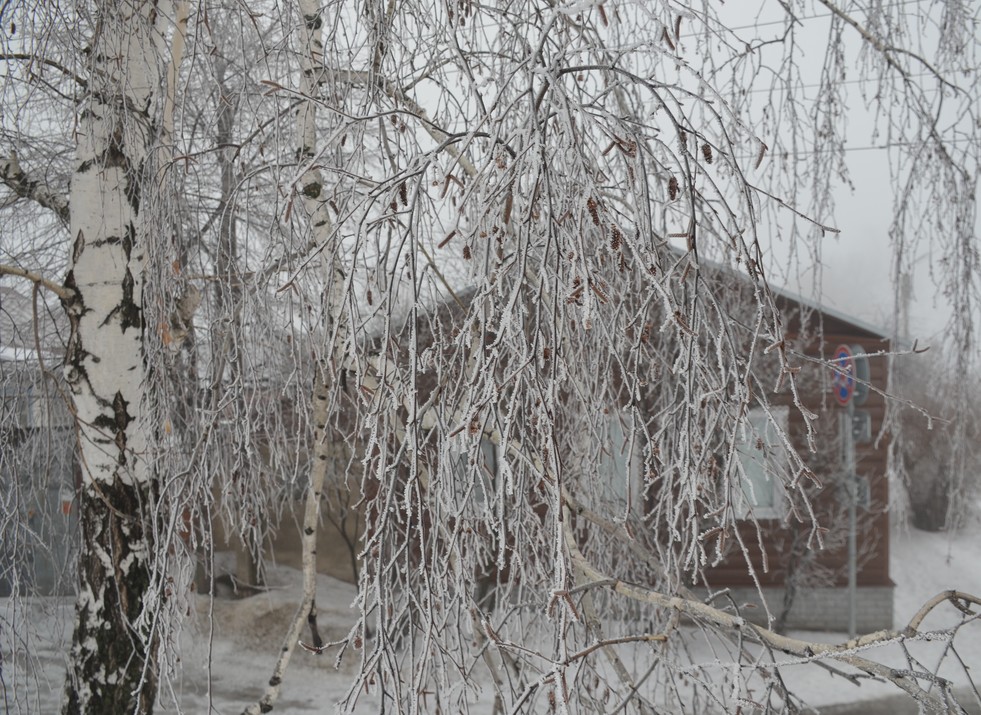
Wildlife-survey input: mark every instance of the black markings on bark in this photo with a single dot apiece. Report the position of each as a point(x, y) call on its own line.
point(151, 20)
point(130, 314)
point(113, 668)
point(77, 248)
point(116, 424)
point(133, 186)
point(104, 422)
point(74, 354)
point(120, 412)
point(73, 304)
point(129, 240)
point(313, 22)
point(114, 155)
point(318, 642)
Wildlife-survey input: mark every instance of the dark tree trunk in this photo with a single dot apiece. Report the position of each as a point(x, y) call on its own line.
point(113, 662)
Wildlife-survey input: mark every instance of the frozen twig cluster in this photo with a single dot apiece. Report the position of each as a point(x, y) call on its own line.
point(505, 270)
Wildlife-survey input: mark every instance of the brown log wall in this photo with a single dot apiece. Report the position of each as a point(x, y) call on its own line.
point(768, 561)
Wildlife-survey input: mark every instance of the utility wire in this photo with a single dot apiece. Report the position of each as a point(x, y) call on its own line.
point(806, 18)
point(846, 150)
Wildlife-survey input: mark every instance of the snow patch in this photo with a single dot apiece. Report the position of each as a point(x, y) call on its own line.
point(241, 639)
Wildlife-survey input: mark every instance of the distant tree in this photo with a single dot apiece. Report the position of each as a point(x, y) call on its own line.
point(935, 453)
point(516, 257)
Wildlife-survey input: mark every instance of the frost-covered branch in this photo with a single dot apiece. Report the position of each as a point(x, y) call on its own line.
point(45, 61)
point(18, 181)
point(888, 51)
point(847, 653)
point(958, 598)
point(59, 290)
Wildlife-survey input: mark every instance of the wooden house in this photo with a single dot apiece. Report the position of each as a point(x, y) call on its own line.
point(802, 573)
point(805, 580)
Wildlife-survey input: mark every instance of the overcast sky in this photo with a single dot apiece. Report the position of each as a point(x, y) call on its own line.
point(855, 276)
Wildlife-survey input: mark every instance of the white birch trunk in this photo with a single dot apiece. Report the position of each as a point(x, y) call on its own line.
point(311, 192)
point(112, 668)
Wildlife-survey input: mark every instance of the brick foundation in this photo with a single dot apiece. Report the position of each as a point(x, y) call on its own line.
point(822, 609)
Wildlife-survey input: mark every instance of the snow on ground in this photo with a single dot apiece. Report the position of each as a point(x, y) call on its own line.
point(922, 565)
point(241, 645)
point(247, 636)
point(247, 639)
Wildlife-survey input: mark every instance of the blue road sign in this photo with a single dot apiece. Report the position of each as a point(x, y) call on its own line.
point(843, 379)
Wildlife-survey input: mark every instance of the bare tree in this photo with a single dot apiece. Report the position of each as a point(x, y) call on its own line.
point(937, 426)
point(515, 258)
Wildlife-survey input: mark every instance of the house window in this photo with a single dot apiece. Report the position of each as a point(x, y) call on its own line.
point(762, 457)
point(617, 467)
point(485, 474)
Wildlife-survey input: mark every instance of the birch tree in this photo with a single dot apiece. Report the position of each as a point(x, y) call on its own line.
point(513, 262)
point(103, 297)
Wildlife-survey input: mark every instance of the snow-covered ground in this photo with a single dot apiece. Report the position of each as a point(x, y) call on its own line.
point(246, 637)
point(922, 565)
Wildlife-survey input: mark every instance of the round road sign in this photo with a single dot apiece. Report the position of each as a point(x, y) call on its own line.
point(843, 379)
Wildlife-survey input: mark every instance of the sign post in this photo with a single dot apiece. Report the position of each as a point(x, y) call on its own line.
point(850, 385)
point(848, 445)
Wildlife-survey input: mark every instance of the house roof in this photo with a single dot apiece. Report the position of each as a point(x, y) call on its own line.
point(831, 315)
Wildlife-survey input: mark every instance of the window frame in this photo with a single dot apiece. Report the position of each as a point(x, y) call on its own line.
point(484, 492)
point(621, 459)
point(770, 461)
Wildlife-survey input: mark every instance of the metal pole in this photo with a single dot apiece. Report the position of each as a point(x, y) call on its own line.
point(850, 480)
